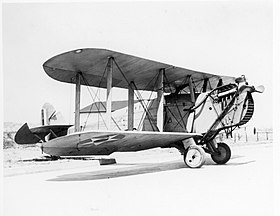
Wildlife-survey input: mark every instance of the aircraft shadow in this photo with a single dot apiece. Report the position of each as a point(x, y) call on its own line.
point(116, 171)
point(135, 169)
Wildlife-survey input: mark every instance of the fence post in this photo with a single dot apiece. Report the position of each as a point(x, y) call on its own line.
point(246, 134)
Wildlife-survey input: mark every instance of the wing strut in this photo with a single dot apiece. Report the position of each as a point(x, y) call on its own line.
point(205, 83)
point(192, 91)
point(130, 117)
point(109, 92)
point(139, 98)
point(159, 100)
point(77, 102)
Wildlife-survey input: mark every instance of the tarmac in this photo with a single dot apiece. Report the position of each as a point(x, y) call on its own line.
point(152, 182)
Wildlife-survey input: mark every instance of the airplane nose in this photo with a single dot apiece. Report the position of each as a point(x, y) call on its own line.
point(252, 89)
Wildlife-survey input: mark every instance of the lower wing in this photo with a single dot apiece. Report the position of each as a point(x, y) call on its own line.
point(107, 142)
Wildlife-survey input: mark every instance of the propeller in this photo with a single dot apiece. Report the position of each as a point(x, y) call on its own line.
point(259, 89)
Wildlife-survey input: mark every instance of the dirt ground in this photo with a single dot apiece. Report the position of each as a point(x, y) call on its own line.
point(19, 159)
point(152, 182)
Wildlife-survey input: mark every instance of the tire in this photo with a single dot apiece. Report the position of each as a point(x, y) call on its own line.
point(194, 157)
point(224, 154)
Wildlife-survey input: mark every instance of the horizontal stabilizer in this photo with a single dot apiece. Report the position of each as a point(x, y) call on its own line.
point(34, 135)
point(25, 136)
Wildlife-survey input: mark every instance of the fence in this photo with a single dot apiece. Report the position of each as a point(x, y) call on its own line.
point(249, 135)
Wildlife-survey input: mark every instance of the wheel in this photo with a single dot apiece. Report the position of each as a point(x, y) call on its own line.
point(194, 156)
point(224, 154)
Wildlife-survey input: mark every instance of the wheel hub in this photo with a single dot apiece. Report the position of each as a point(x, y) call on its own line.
point(193, 156)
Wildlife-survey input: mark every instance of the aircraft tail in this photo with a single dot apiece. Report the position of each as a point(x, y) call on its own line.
point(49, 116)
point(26, 135)
point(53, 126)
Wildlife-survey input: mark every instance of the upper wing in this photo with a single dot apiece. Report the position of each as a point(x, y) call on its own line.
point(105, 143)
point(92, 63)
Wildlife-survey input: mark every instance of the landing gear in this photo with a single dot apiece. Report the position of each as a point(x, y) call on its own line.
point(194, 156)
point(223, 155)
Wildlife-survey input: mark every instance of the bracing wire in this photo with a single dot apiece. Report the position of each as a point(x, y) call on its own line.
point(98, 99)
point(138, 95)
point(146, 105)
point(184, 125)
point(99, 114)
point(93, 99)
point(95, 96)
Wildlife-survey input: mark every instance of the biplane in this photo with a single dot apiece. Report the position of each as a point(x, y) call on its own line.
point(190, 108)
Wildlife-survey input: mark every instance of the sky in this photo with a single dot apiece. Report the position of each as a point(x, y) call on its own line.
point(220, 37)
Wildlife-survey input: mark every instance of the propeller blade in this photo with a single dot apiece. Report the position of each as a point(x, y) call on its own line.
point(259, 89)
